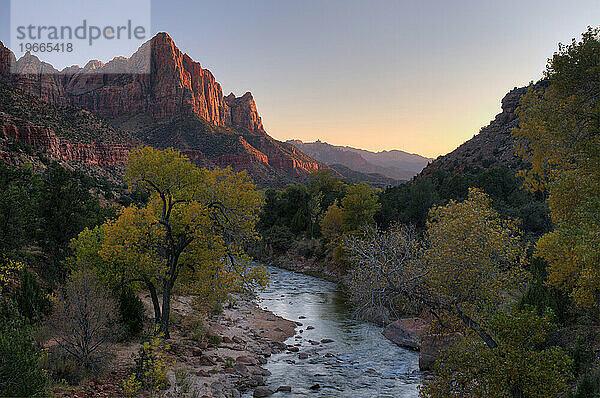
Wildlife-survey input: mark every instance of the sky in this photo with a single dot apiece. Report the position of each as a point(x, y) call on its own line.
point(421, 76)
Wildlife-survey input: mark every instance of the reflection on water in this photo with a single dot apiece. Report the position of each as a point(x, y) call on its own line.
point(359, 362)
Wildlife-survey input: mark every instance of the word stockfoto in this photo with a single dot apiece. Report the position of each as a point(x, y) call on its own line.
point(81, 32)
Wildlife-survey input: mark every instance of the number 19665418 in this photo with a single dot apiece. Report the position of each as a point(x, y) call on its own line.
point(46, 47)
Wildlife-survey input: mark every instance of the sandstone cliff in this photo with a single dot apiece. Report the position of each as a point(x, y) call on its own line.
point(178, 104)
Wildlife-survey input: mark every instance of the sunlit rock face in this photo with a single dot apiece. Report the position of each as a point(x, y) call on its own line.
point(178, 104)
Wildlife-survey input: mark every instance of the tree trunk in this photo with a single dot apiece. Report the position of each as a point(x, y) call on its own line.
point(155, 302)
point(166, 308)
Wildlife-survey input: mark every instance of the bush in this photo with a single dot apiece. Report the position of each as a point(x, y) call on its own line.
point(83, 321)
point(150, 368)
point(199, 332)
point(20, 371)
point(132, 312)
point(62, 369)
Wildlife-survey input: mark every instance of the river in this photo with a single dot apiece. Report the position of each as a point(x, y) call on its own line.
point(360, 362)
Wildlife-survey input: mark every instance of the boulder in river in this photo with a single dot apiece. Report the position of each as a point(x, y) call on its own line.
point(406, 332)
point(261, 392)
point(284, 389)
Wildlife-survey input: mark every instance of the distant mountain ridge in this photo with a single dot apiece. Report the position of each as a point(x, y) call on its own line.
point(394, 164)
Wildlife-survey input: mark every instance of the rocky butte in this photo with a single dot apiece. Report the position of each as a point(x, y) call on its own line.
point(177, 104)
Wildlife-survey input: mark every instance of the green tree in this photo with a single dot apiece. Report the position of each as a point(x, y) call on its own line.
point(359, 207)
point(332, 223)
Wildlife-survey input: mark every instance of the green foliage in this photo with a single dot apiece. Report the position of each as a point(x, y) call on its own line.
point(297, 209)
point(45, 209)
point(588, 387)
point(214, 340)
point(150, 368)
point(30, 298)
point(543, 297)
point(131, 311)
point(359, 207)
point(523, 364)
point(20, 359)
point(183, 381)
point(199, 332)
point(61, 368)
point(410, 203)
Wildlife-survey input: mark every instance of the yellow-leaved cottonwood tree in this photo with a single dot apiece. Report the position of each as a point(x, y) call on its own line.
point(189, 238)
point(560, 135)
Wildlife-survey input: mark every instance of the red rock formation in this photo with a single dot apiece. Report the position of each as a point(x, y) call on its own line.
point(244, 114)
point(62, 149)
point(175, 86)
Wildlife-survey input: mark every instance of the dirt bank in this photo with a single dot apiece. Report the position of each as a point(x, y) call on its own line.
point(216, 356)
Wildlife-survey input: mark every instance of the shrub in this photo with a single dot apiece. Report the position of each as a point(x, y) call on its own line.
point(199, 332)
point(131, 311)
point(215, 340)
point(217, 308)
point(183, 381)
point(150, 368)
point(62, 368)
point(83, 321)
point(20, 371)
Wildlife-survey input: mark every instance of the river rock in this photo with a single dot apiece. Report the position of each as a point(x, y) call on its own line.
point(241, 369)
point(325, 341)
point(405, 332)
point(238, 340)
point(315, 386)
point(310, 327)
point(279, 345)
point(293, 348)
point(261, 371)
point(303, 355)
point(284, 389)
point(246, 360)
point(261, 392)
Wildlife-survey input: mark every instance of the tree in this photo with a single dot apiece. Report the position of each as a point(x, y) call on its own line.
point(522, 365)
point(332, 222)
point(83, 320)
point(465, 272)
point(559, 134)
point(190, 236)
point(360, 205)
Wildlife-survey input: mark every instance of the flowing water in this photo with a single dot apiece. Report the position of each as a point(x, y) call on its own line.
point(360, 362)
